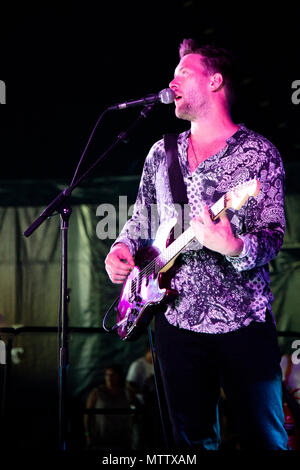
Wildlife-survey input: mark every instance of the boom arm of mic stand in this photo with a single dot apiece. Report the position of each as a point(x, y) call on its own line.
point(58, 202)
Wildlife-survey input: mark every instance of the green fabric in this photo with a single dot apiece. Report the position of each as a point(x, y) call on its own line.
point(284, 270)
point(285, 276)
point(30, 277)
point(30, 269)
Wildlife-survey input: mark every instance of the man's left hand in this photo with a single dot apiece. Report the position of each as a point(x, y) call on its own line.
point(216, 236)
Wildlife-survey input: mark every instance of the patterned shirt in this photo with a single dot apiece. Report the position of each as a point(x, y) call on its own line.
point(217, 293)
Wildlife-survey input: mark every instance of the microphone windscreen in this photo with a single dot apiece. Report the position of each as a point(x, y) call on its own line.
point(166, 96)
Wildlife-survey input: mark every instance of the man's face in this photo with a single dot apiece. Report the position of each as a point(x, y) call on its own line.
point(191, 88)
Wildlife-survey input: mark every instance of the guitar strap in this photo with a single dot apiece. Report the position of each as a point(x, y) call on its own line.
point(177, 185)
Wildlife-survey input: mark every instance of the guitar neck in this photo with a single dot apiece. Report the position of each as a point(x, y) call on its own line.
point(174, 249)
point(185, 238)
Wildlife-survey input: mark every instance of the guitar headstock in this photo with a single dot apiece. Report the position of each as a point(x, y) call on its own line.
point(237, 196)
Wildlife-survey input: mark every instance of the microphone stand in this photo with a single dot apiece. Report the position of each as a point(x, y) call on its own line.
point(61, 204)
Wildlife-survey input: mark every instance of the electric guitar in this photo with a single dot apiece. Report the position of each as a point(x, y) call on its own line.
point(143, 290)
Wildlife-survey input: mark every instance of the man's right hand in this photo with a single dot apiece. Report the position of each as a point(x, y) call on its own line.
point(118, 263)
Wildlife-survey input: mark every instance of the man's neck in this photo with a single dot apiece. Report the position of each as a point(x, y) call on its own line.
point(213, 128)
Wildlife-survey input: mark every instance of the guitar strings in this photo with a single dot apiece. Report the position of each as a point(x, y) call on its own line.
point(155, 264)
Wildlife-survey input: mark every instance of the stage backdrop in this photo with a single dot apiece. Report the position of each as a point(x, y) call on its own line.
point(29, 292)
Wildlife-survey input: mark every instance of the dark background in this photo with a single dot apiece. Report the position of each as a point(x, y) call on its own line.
point(63, 64)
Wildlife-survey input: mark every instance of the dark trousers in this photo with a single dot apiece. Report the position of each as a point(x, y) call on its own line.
point(246, 363)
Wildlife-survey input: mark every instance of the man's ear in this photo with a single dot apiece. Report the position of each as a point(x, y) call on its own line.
point(216, 82)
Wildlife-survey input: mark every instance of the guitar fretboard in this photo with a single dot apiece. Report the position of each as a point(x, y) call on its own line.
point(172, 250)
point(184, 239)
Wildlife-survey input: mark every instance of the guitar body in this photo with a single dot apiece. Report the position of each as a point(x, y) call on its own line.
point(144, 290)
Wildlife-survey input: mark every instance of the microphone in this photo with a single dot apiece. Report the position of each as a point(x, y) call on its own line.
point(165, 96)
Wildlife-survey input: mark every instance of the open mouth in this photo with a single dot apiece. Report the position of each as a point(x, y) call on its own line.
point(177, 98)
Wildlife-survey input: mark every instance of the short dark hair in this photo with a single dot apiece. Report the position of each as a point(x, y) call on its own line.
point(215, 60)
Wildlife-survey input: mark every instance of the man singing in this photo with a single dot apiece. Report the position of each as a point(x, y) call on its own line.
point(219, 331)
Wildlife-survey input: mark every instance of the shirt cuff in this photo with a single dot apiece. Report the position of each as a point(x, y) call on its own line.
point(244, 251)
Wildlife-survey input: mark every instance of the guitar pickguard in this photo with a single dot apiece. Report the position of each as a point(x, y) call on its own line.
point(140, 292)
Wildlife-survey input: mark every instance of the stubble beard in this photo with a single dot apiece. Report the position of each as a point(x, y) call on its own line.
point(184, 113)
point(191, 110)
